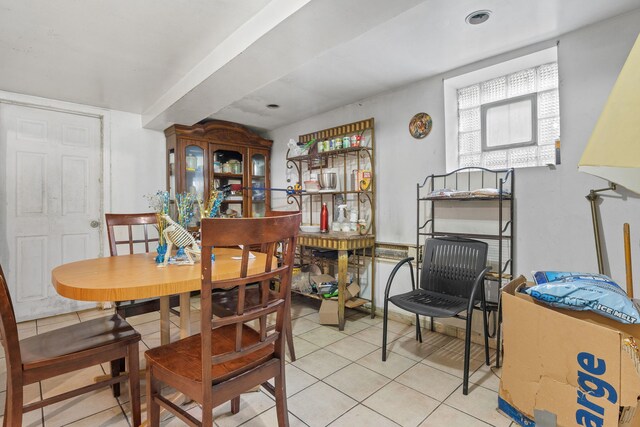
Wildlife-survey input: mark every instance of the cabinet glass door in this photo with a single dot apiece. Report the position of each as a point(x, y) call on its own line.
point(258, 185)
point(194, 176)
point(228, 167)
point(194, 170)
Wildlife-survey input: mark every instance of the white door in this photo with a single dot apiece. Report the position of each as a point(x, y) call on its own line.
point(50, 191)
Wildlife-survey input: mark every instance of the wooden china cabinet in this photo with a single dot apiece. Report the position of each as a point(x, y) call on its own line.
point(217, 153)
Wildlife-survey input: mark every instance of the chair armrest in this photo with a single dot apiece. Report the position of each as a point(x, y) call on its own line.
point(478, 284)
point(393, 274)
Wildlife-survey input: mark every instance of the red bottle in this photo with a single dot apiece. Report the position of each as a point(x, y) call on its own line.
point(324, 219)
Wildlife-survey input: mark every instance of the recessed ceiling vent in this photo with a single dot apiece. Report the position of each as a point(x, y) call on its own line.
point(478, 17)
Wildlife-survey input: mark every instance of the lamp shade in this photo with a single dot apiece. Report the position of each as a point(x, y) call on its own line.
point(613, 151)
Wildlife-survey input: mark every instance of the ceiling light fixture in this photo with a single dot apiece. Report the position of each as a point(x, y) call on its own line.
point(478, 17)
point(273, 106)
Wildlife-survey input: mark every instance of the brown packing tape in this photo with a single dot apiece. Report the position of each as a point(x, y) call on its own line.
point(630, 347)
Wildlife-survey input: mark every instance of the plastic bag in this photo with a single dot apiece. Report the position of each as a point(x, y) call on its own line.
point(584, 291)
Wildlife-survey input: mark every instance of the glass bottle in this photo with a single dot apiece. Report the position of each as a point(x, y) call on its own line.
point(324, 219)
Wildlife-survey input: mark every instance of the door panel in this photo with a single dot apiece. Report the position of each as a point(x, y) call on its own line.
point(30, 273)
point(51, 190)
point(75, 174)
point(31, 196)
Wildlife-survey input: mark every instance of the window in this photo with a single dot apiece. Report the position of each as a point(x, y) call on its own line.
point(511, 119)
point(508, 123)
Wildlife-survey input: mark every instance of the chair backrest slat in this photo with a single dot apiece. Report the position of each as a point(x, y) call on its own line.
point(132, 222)
point(9, 330)
point(264, 234)
point(451, 264)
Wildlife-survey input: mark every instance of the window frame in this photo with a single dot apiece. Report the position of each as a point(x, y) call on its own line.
point(544, 53)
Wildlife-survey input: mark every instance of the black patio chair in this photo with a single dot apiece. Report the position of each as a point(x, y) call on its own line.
point(451, 283)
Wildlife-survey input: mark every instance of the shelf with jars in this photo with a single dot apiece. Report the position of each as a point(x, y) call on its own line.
point(216, 154)
point(335, 167)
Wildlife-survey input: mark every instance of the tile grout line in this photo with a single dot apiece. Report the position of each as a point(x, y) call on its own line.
point(350, 363)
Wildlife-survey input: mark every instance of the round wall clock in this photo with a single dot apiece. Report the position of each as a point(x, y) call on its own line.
point(420, 125)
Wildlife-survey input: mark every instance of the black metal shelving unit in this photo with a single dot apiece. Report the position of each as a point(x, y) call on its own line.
point(462, 186)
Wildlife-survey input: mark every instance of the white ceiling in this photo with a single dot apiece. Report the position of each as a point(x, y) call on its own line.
point(180, 61)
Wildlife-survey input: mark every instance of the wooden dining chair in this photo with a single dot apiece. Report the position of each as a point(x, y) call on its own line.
point(228, 357)
point(224, 303)
point(61, 351)
point(137, 240)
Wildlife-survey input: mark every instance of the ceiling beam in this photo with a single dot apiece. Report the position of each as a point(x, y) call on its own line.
point(280, 38)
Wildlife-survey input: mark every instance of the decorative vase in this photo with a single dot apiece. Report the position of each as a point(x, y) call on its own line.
point(162, 251)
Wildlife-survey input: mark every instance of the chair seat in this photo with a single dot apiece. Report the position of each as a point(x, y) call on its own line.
point(428, 303)
point(183, 358)
point(67, 342)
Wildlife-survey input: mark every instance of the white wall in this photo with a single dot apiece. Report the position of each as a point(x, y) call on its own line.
point(553, 218)
point(138, 164)
point(134, 158)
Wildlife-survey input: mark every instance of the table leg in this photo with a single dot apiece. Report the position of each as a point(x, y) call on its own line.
point(185, 315)
point(165, 324)
point(343, 258)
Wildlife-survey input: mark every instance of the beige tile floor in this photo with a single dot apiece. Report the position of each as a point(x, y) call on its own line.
point(338, 379)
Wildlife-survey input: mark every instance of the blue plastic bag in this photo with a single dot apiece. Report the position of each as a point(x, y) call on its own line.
point(584, 291)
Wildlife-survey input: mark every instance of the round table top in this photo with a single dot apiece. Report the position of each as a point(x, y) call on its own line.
point(129, 277)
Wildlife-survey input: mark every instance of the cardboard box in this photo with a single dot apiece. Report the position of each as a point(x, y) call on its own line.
point(329, 308)
point(352, 291)
point(566, 368)
point(323, 283)
point(329, 312)
point(322, 278)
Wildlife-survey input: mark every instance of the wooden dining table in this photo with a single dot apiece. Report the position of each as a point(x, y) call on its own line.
point(131, 277)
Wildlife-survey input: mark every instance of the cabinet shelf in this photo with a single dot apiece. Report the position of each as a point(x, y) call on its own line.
point(322, 193)
point(227, 175)
point(468, 235)
point(332, 153)
point(352, 303)
point(505, 197)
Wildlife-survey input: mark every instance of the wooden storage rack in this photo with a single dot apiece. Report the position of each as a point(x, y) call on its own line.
point(361, 245)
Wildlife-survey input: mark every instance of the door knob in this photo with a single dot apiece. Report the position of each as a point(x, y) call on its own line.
point(94, 224)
